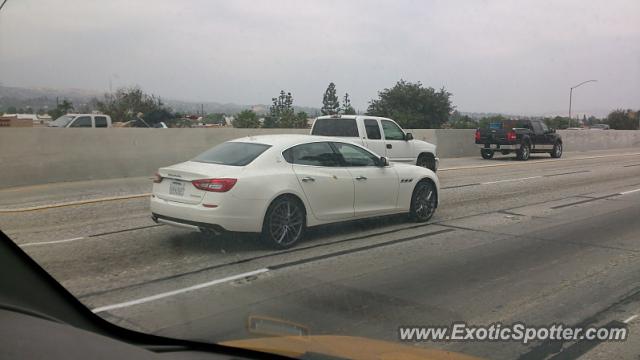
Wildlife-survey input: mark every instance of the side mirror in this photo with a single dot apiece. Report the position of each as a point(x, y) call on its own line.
point(408, 136)
point(384, 161)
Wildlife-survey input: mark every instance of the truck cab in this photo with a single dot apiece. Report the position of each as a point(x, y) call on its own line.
point(380, 135)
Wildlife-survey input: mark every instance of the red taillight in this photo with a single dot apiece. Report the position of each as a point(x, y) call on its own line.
point(157, 178)
point(511, 136)
point(478, 135)
point(216, 185)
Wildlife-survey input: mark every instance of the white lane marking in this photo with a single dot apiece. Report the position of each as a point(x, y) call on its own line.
point(72, 203)
point(629, 192)
point(507, 180)
point(630, 319)
point(50, 242)
point(466, 167)
point(178, 291)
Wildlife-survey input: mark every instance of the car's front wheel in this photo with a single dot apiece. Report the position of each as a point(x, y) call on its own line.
point(423, 201)
point(427, 161)
point(557, 150)
point(285, 222)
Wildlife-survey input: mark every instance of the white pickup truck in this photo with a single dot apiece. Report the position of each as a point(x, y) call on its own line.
point(381, 135)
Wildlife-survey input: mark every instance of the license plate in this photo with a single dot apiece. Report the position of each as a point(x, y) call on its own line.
point(176, 188)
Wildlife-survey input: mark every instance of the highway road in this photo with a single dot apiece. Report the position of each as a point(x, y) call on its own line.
point(541, 242)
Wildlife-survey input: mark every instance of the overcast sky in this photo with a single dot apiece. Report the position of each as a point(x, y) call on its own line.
point(494, 56)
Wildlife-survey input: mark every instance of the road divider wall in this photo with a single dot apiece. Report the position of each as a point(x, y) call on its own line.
point(30, 156)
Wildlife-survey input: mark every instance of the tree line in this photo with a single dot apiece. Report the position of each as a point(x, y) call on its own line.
point(411, 104)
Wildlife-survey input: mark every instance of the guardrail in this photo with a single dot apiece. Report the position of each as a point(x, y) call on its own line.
point(30, 156)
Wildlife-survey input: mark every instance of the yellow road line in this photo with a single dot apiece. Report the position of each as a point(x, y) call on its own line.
point(74, 203)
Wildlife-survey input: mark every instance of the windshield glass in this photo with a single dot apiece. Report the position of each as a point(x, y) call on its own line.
point(232, 153)
point(62, 121)
point(322, 179)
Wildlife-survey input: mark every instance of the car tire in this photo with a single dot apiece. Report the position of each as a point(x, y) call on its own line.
point(524, 152)
point(556, 153)
point(284, 223)
point(486, 153)
point(423, 201)
point(427, 161)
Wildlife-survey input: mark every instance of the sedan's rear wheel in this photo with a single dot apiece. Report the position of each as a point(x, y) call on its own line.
point(423, 201)
point(284, 223)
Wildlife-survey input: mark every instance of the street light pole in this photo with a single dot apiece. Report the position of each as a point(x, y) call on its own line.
point(571, 96)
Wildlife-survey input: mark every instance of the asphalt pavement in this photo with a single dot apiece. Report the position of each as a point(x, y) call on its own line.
point(541, 242)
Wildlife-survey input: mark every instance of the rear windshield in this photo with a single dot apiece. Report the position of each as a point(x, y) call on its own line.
point(232, 153)
point(335, 127)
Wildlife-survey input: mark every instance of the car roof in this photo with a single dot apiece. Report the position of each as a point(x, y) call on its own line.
point(350, 117)
point(287, 140)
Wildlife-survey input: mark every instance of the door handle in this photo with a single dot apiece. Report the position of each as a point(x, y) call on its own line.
point(361, 177)
point(389, 146)
point(307, 179)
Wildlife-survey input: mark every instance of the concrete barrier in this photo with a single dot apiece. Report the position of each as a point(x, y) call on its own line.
point(30, 156)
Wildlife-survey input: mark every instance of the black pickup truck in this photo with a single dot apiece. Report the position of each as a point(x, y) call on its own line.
point(520, 136)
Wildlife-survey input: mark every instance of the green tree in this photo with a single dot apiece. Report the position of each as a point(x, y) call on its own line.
point(623, 119)
point(347, 109)
point(301, 120)
point(330, 103)
point(156, 116)
point(126, 103)
point(217, 118)
point(281, 113)
point(246, 119)
point(61, 109)
point(11, 110)
point(557, 122)
point(459, 121)
point(412, 105)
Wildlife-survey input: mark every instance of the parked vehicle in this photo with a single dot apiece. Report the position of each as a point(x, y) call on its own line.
point(520, 136)
point(600, 127)
point(82, 121)
point(380, 135)
point(278, 185)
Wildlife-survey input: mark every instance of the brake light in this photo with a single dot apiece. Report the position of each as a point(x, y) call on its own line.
point(215, 185)
point(477, 134)
point(157, 178)
point(511, 136)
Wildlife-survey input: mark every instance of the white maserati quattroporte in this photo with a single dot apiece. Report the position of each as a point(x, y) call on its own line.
point(278, 185)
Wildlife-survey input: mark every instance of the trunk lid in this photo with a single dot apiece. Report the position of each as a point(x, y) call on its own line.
point(176, 180)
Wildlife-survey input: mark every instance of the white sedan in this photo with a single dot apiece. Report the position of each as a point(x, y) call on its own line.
point(278, 185)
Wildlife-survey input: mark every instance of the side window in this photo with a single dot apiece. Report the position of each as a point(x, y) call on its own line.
point(101, 121)
point(355, 156)
point(316, 154)
point(391, 131)
point(82, 121)
point(373, 129)
point(545, 129)
point(536, 127)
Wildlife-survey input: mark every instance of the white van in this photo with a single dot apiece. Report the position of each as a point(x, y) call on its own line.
point(82, 121)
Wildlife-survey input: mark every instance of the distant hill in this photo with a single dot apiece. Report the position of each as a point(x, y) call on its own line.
point(45, 98)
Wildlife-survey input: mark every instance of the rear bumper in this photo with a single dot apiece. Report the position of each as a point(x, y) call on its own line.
point(191, 225)
point(498, 146)
point(237, 215)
